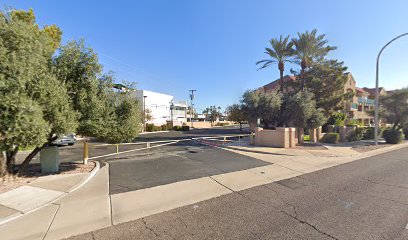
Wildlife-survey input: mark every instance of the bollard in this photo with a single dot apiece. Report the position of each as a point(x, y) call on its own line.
point(86, 153)
point(148, 148)
point(117, 148)
point(225, 139)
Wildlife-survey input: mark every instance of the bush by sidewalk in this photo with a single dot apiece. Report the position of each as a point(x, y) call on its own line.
point(356, 135)
point(406, 133)
point(330, 138)
point(392, 136)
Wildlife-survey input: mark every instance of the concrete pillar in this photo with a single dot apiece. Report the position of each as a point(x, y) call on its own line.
point(283, 134)
point(319, 134)
point(343, 133)
point(313, 135)
point(301, 133)
point(292, 137)
point(49, 159)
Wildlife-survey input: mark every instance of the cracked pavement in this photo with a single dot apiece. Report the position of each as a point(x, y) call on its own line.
point(365, 199)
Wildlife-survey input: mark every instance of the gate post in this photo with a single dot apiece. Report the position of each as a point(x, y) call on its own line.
point(86, 153)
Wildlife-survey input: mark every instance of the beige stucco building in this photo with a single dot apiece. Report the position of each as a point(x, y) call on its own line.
point(357, 108)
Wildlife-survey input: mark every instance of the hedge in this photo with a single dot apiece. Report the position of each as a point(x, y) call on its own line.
point(392, 136)
point(330, 138)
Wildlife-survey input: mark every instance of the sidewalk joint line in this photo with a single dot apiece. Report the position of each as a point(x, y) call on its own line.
point(52, 220)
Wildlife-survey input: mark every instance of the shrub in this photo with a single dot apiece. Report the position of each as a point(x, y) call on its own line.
point(185, 128)
point(337, 118)
point(169, 125)
point(356, 135)
point(164, 127)
point(157, 128)
point(406, 133)
point(330, 138)
point(352, 123)
point(392, 136)
point(369, 133)
point(221, 124)
point(149, 127)
point(177, 128)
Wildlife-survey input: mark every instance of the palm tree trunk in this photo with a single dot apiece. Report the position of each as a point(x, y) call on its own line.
point(281, 67)
point(281, 81)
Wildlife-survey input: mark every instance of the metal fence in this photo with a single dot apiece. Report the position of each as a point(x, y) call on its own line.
point(122, 148)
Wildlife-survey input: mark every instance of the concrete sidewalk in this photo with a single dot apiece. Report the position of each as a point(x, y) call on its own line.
point(91, 207)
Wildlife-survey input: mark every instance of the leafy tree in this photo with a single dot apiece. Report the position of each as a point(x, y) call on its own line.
point(337, 118)
point(310, 48)
point(212, 113)
point(269, 107)
point(124, 124)
point(300, 111)
point(326, 81)
point(148, 115)
point(236, 113)
point(78, 68)
point(280, 52)
point(265, 106)
point(394, 108)
point(34, 106)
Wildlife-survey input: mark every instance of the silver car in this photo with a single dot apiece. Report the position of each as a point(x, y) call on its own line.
point(68, 139)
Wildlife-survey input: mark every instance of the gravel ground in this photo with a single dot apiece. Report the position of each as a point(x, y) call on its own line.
point(10, 182)
point(370, 146)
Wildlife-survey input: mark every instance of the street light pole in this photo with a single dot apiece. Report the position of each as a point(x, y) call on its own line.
point(377, 92)
point(191, 110)
point(144, 113)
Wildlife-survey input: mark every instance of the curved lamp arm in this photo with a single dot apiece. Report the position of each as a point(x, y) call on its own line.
point(376, 87)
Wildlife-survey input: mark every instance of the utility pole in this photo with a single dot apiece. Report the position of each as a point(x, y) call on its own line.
point(377, 93)
point(191, 110)
point(144, 113)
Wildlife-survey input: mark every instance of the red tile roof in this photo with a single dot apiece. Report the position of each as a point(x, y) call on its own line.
point(275, 84)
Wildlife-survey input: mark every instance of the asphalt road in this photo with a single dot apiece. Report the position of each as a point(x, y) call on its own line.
point(75, 152)
point(173, 163)
point(365, 199)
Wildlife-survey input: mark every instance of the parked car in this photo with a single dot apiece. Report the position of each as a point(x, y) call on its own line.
point(68, 139)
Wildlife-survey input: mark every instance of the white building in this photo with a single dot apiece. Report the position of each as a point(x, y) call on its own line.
point(163, 107)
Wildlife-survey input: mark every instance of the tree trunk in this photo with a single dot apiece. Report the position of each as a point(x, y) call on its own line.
point(30, 156)
point(302, 87)
point(2, 164)
point(281, 67)
point(11, 160)
point(303, 65)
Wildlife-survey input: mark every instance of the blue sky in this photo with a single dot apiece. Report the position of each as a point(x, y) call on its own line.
point(212, 45)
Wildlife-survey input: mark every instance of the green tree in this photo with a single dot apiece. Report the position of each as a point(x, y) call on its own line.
point(212, 113)
point(394, 108)
point(236, 113)
point(265, 106)
point(34, 106)
point(78, 68)
point(124, 124)
point(326, 81)
point(280, 52)
point(310, 48)
point(300, 111)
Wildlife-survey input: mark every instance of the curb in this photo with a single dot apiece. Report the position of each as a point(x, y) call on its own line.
point(356, 156)
point(74, 188)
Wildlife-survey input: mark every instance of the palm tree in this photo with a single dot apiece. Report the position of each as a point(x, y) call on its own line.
point(280, 52)
point(309, 48)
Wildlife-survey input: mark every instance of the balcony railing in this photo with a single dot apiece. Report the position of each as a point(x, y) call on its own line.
point(366, 100)
point(354, 106)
